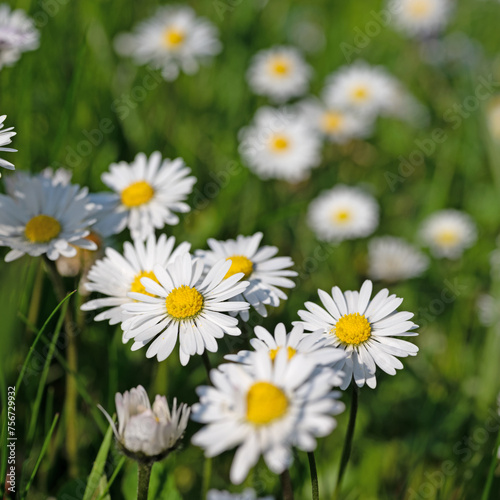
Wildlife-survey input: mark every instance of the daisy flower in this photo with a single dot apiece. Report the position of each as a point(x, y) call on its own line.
point(174, 39)
point(279, 73)
point(280, 144)
point(147, 433)
point(180, 303)
point(265, 408)
point(247, 494)
point(116, 275)
point(17, 35)
point(365, 329)
point(148, 192)
point(361, 88)
point(393, 259)
point(343, 213)
point(336, 124)
point(448, 233)
point(420, 17)
point(45, 218)
point(264, 272)
point(314, 346)
point(5, 139)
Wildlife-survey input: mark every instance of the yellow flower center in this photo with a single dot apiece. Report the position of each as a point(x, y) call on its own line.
point(419, 8)
point(184, 302)
point(138, 287)
point(137, 194)
point(331, 121)
point(239, 264)
point(42, 228)
point(360, 93)
point(280, 67)
point(279, 143)
point(341, 216)
point(274, 352)
point(173, 37)
point(447, 238)
point(265, 403)
point(353, 329)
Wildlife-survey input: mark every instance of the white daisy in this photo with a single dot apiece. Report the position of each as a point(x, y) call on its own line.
point(280, 144)
point(149, 191)
point(147, 433)
point(365, 328)
point(393, 259)
point(279, 73)
point(265, 408)
point(336, 124)
point(5, 138)
point(180, 303)
point(420, 17)
point(343, 213)
point(43, 218)
point(360, 87)
point(116, 275)
point(448, 233)
point(314, 346)
point(247, 494)
point(173, 39)
point(264, 272)
point(17, 35)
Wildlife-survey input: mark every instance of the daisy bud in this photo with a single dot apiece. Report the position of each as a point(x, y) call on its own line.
point(147, 433)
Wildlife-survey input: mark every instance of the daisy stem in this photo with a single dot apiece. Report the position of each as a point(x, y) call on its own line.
point(70, 401)
point(314, 475)
point(491, 472)
point(143, 476)
point(286, 485)
point(207, 364)
point(207, 474)
point(346, 451)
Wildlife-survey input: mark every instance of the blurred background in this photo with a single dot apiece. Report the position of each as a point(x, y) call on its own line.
point(425, 433)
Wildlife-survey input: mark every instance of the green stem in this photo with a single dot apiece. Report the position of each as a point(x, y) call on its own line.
point(70, 402)
point(314, 476)
point(207, 474)
point(143, 476)
point(346, 451)
point(491, 473)
point(207, 364)
point(286, 485)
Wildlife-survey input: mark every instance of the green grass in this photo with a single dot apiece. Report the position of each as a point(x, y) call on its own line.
point(424, 430)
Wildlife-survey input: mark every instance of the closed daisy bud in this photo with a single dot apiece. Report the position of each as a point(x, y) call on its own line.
point(5, 138)
point(147, 433)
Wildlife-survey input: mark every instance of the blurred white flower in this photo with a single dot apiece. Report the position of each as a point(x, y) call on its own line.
point(174, 39)
point(147, 433)
point(280, 144)
point(265, 408)
point(393, 259)
point(148, 192)
point(116, 275)
point(261, 269)
point(487, 309)
point(5, 139)
point(308, 35)
point(279, 73)
point(365, 328)
point(448, 233)
point(179, 303)
point(314, 346)
point(17, 35)
point(420, 17)
point(247, 494)
point(493, 118)
point(40, 217)
point(336, 124)
point(343, 213)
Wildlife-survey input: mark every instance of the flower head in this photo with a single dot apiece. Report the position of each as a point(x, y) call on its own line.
point(364, 328)
point(148, 192)
point(247, 494)
point(5, 139)
point(148, 433)
point(265, 408)
point(174, 39)
point(177, 302)
point(265, 273)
